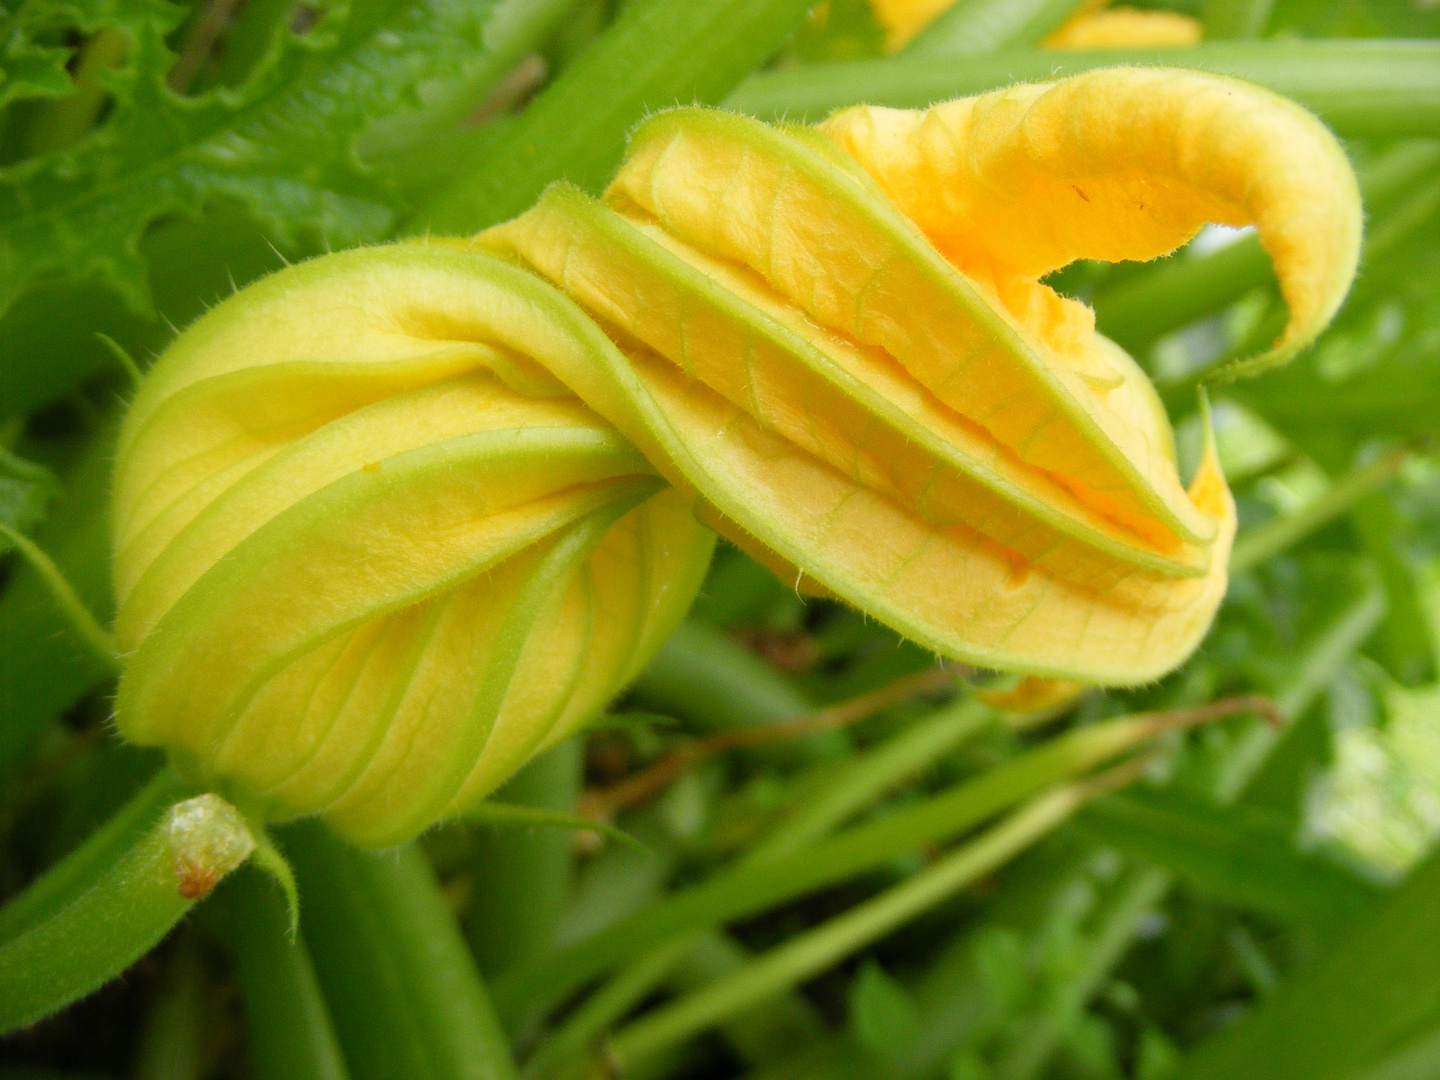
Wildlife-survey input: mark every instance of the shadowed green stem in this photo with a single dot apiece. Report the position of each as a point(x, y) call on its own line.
point(403, 990)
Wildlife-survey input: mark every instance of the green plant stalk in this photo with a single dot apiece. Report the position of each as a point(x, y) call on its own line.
point(1362, 89)
point(1256, 545)
point(73, 875)
point(764, 1032)
point(740, 890)
point(171, 1042)
point(109, 903)
point(403, 990)
point(708, 679)
point(289, 1031)
point(813, 951)
point(1226, 19)
point(657, 53)
point(524, 875)
point(871, 774)
point(984, 26)
point(1406, 643)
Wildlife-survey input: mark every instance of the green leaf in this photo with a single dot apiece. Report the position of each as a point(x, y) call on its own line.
point(280, 144)
point(882, 1016)
point(1372, 999)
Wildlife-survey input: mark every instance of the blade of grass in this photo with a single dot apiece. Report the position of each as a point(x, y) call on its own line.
point(657, 53)
point(1362, 89)
point(403, 990)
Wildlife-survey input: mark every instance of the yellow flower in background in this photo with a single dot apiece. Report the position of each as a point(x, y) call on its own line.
point(903, 19)
point(391, 521)
point(1094, 25)
point(1126, 28)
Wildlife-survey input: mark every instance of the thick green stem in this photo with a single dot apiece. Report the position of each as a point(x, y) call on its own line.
point(288, 1025)
point(110, 901)
point(523, 875)
point(1363, 89)
point(403, 990)
point(817, 949)
point(657, 53)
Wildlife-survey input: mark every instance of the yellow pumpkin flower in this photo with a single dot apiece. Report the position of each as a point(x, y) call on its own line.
point(369, 557)
point(391, 521)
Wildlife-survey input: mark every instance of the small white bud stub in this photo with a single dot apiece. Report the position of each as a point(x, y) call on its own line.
point(209, 838)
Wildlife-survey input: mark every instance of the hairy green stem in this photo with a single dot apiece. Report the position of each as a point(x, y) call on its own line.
point(403, 990)
point(289, 1031)
point(1362, 89)
point(657, 53)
